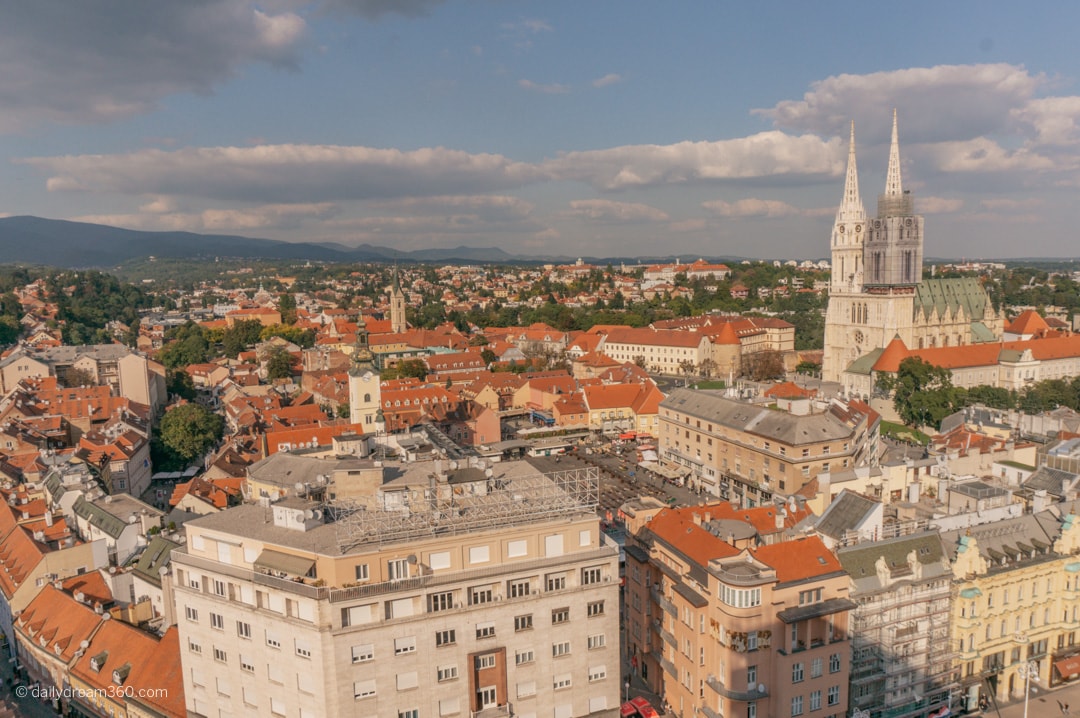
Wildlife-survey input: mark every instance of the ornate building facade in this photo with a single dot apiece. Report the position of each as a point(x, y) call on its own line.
point(877, 291)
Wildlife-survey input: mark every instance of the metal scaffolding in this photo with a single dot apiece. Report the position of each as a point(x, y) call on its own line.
point(505, 502)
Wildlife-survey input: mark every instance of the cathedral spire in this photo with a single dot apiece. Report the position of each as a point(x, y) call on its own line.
point(893, 185)
point(851, 207)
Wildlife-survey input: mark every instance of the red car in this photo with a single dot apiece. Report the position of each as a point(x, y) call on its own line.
point(644, 708)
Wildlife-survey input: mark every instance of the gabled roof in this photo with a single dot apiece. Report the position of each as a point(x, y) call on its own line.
point(798, 559)
point(1028, 322)
point(57, 619)
point(846, 513)
point(157, 555)
point(949, 295)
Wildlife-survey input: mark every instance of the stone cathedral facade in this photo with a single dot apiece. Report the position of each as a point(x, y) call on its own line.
point(877, 291)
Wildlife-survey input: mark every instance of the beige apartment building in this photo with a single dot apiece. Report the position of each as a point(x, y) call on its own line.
point(746, 453)
point(721, 627)
point(467, 594)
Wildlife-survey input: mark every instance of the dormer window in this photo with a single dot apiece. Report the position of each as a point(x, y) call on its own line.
point(96, 662)
point(120, 674)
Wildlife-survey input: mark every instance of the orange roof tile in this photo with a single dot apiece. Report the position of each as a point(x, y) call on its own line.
point(890, 359)
point(798, 559)
point(1028, 322)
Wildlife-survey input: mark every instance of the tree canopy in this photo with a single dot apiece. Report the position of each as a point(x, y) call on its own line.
point(190, 430)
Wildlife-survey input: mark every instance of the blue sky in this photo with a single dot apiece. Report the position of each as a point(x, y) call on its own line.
point(574, 128)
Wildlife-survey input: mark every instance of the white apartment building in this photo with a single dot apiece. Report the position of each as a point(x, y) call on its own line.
point(487, 593)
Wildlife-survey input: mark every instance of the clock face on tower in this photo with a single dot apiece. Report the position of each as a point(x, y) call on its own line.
point(840, 229)
point(858, 337)
point(858, 228)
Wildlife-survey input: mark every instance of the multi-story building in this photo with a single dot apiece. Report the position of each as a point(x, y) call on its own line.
point(901, 650)
point(721, 630)
point(1017, 601)
point(746, 453)
point(877, 291)
point(464, 594)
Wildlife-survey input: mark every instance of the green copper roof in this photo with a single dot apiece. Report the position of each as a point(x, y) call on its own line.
point(970, 593)
point(948, 295)
point(865, 363)
point(980, 333)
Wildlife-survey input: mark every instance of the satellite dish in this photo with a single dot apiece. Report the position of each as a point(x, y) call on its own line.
point(412, 558)
point(761, 688)
point(309, 514)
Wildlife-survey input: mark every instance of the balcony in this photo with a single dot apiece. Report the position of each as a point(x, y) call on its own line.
point(504, 711)
point(667, 665)
point(664, 603)
point(747, 695)
point(668, 637)
point(709, 712)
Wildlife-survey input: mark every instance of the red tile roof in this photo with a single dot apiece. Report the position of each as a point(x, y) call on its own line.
point(798, 559)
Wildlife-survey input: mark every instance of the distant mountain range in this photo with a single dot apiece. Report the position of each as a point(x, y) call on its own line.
point(59, 243)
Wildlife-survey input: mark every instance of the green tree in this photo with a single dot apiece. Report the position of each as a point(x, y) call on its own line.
point(287, 307)
point(179, 383)
point(923, 394)
point(279, 364)
point(190, 430)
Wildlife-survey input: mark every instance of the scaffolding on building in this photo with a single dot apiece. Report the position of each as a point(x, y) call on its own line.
point(438, 512)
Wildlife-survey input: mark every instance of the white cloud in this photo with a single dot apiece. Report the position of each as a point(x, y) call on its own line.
point(527, 25)
point(985, 155)
point(938, 205)
point(552, 88)
point(1012, 205)
point(157, 216)
point(100, 60)
point(1055, 120)
point(940, 103)
point(286, 173)
point(768, 154)
point(751, 207)
point(609, 79)
point(603, 210)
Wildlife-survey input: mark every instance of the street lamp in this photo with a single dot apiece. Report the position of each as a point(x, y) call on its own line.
point(1030, 671)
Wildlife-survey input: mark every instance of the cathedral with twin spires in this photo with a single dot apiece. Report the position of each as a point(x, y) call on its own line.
point(877, 291)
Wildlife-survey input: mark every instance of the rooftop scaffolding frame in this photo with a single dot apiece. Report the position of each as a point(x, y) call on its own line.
point(507, 502)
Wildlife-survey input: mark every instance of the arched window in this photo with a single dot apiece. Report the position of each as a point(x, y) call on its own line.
point(367, 398)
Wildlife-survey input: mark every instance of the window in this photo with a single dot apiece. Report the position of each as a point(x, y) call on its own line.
point(478, 596)
point(410, 713)
point(555, 581)
point(562, 681)
point(362, 572)
point(445, 638)
point(243, 629)
point(526, 690)
point(560, 615)
point(364, 689)
point(303, 649)
point(220, 655)
point(191, 613)
point(596, 641)
point(443, 601)
point(523, 623)
point(597, 673)
point(406, 644)
point(740, 597)
point(595, 608)
point(815, 700)
point(751, 710)
point(834, 663)
point(447, 673)
point(517, 589)
point(397, 569)
point(811, 596)
point(523, 657)
point(797, 673)
point(272, 640)
point(815, 668)
point(363, 653)
point(591, 575)
point(834, 695)
point(217, 621)
point(751, 638)
point(796, 706)
point(485, 661)
point(246, 664)
point(485, 630)
point(219, 588)
point(194, 646)
point(560, 649)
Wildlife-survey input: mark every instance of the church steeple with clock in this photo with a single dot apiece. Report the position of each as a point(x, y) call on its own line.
point(877, 292)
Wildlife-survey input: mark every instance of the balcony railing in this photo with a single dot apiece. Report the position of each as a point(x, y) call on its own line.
point(504, 711)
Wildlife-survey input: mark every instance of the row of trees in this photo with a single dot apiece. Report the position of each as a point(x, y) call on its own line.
point(924, 394)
